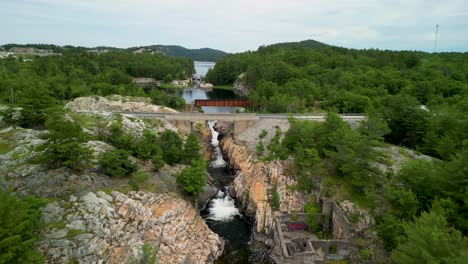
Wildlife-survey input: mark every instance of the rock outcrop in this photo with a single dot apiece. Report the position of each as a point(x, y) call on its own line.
point(255, 182)
point(206, 86)
point(101, 228)
point(240, 86)
point(116, 103)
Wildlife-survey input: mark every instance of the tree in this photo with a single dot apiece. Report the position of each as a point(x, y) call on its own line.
point(172, 145)
point(374, 127)
point(34, 101)
point(115, 163)
point(192, 179)
point(310, 168)
point(65, 143)
point(19, 222)
point(429, 239)
point(191, 148)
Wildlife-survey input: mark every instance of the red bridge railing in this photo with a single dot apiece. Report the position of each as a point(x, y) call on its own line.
point(222, 102)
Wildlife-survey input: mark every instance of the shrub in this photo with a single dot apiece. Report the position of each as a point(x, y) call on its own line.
point(263, 134)
point(260, 148)
point(140, 176)
point(312, 209)
point(115, 163)
point(275, 199)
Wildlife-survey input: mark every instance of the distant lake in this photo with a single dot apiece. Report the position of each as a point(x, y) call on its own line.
point(194, 93)
point(202, 67)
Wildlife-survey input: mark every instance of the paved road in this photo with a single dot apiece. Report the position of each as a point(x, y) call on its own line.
point(235, 117)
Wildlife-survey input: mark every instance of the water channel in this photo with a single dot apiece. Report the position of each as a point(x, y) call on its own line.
point(222, 214)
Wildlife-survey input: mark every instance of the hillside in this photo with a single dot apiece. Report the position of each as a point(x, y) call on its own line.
point(309, 43)
point(203, 54)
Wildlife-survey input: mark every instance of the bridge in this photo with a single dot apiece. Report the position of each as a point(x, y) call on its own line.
point(222, 102)
point(184, 120)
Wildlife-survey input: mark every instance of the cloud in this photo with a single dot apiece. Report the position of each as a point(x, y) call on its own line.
point(237, 25)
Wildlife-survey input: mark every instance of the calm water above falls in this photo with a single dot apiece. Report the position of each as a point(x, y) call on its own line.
point(194, 93)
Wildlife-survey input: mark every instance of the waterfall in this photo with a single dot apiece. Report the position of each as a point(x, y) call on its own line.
point(219, 161)
point(223, 207)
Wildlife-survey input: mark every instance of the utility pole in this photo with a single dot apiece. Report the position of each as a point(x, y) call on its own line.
point(435, 38)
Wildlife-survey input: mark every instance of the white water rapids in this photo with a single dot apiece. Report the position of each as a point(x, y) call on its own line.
point(222, 208)
point(219, 161)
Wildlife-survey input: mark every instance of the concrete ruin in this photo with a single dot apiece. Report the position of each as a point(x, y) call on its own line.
point(302, 246)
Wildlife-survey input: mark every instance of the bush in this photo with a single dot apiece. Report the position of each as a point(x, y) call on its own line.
point(263, 134)
point(312, 210)
point(64, 144)
point(275, 199)
point(140, 176)
point(260, 148)
point(115, 163)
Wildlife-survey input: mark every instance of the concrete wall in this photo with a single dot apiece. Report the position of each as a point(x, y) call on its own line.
point(240, 126)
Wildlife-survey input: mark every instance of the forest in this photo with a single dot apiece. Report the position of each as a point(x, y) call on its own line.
point(412, 99)
point(45, 82)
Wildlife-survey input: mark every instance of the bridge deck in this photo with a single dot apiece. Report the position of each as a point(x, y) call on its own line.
point(234, 116)
point(222, 102)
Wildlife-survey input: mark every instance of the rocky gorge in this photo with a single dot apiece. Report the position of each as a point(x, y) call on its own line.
point(102, 228)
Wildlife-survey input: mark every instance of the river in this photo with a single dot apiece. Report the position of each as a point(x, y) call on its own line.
point(222, 214)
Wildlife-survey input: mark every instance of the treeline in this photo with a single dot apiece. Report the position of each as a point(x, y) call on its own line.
point(420, 211)
point(204, 54)
point(46, 82)
point(421, 96)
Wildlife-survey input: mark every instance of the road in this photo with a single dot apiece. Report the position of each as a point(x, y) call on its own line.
point(235, 117)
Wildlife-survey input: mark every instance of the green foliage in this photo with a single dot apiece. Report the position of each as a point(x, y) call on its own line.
point(74, 232)
point(375, 127)
point(42, 84)
point(119, 138)
point(312, 210)
point(204, 54)
point(263, 134)
point(260, 148)
point(140, 176)
point(429, 239)
point(64, 145)
point(148, 256)
point(275, 149)
point(275, 199)
point(191, 148)
point(115, 163)
point(192, 179)
point(172, 145)
point(309, 168)
point(19, 222)
point(365, 253)
point(159, 97)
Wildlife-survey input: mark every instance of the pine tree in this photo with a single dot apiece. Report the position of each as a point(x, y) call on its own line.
point(430, 240)
point(192, 179)
point(191, 148)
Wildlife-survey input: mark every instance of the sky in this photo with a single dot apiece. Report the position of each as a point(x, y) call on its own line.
point(237, 25)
